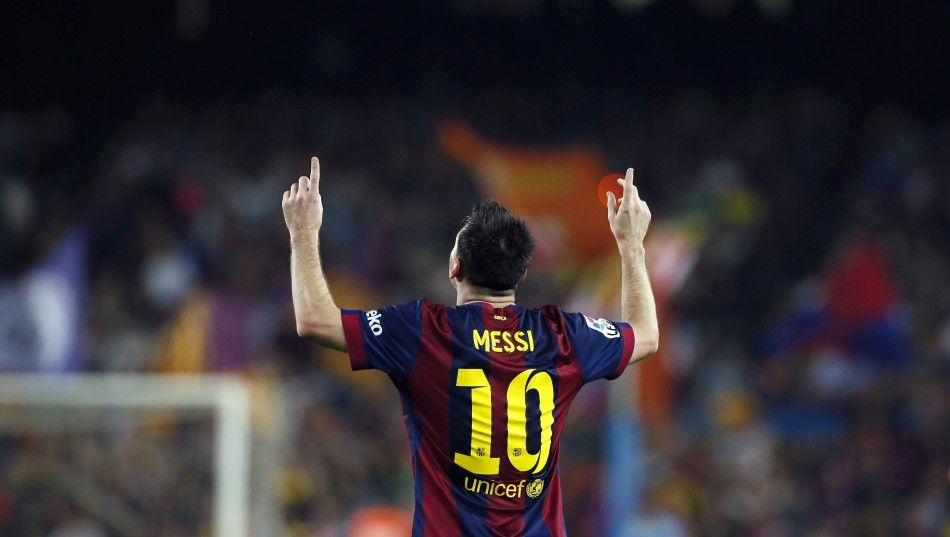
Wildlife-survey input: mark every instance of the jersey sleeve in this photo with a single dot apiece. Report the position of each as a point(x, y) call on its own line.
point(603, 348)
point(386, 339)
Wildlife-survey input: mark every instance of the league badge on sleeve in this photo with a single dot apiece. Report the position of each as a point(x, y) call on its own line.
point(603, 326)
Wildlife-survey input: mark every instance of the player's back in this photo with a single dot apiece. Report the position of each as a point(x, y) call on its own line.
point(485, 395)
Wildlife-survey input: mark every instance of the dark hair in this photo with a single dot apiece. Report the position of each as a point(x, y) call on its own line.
point(494, 246)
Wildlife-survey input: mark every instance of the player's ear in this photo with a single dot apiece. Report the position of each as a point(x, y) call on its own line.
point(455, 271)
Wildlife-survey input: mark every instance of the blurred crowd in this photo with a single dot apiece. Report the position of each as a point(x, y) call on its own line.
point(127, 476)
point(812, 344)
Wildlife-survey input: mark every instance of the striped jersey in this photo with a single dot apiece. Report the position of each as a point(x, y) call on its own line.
point(485, 393)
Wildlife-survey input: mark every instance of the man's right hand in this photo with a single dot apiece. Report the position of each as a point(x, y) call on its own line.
point(302, 204)
point(630, 217)
point(629, 220)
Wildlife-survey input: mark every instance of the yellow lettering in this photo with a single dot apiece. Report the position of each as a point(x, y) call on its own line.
point(480, 340)
point(495, 488)
point(478, 460)
point(495, 345)
point(506, 337)
point(499, 341)
point(518, 453)
point(519, 339)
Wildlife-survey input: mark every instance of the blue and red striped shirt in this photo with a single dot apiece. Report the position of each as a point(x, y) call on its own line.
point(485, 393)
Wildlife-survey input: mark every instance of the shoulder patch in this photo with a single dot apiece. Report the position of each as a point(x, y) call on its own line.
point(603, 326)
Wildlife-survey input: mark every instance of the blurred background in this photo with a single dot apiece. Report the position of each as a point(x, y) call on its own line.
point(795, 154)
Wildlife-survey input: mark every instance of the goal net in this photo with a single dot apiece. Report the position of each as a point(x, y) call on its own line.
point(127, 455)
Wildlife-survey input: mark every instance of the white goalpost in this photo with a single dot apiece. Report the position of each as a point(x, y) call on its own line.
point(31, 402)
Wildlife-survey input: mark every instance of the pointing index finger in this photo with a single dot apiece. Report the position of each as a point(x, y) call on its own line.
point(315, 171)
point(628, 187)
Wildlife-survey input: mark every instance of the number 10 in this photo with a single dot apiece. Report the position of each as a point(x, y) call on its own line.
point(479, 459)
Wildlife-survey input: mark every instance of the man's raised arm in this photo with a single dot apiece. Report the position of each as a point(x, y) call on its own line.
point(629, 221)
point(318, 317)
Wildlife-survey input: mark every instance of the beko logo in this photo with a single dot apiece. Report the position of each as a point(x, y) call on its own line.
point(373, 317)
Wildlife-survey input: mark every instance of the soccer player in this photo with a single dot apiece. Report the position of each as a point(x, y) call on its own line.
point(485, 384)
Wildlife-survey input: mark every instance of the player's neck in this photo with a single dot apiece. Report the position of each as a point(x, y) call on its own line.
point(467, 296)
